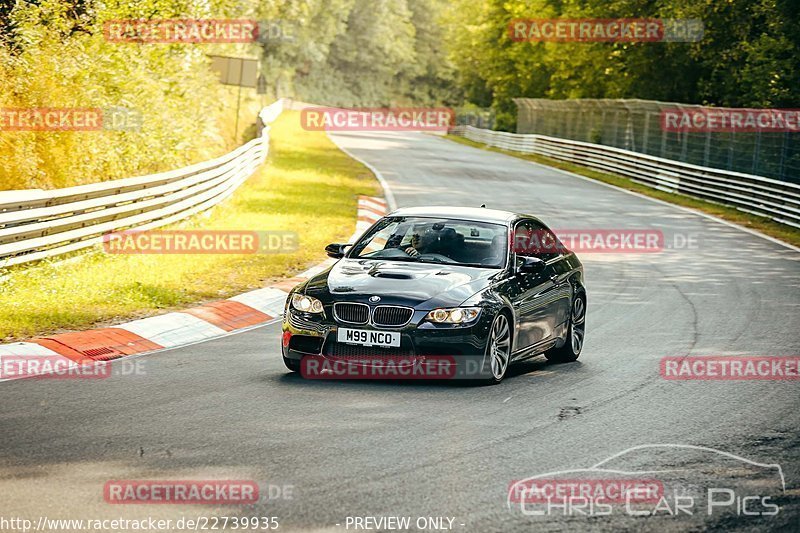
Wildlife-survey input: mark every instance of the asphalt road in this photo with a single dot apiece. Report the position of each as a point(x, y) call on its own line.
point(227, 409)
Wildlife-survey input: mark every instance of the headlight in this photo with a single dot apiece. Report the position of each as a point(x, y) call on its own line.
point(456, 315)
point(306, 304)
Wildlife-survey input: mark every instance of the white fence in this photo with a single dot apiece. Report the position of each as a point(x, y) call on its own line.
point(35, 224)
point(778, 200)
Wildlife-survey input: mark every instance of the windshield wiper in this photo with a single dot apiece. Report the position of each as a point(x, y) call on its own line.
point(407, 259)
point(479, 265)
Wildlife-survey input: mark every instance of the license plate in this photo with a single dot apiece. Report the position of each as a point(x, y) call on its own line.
point(368, 337)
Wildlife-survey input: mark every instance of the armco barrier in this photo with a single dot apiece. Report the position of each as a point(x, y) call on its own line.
point(778, 200)
point(35, 224)
point(170, 330)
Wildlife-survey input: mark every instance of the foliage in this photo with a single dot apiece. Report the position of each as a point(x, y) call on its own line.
point(749, 55)
point(304, 168)
point(53, 54)
point(359, 53)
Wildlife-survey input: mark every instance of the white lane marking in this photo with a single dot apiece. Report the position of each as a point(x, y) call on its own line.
point(640, 195)
point(226, 334)
point(173, 329)
point(682, 208)
point(25, 348)
point(268, 300)
point(371, 204)
point(29, 349)
point(387, 191)
point(370, 215)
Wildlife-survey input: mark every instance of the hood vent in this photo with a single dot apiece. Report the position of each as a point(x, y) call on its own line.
point(390, 275)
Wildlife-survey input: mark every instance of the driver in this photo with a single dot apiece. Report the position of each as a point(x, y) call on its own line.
point(421, 244)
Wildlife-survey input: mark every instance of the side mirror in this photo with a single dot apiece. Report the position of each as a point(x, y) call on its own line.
point(336, 250)
point(531, 265)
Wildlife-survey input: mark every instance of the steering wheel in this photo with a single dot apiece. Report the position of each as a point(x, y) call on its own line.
point(439, 258)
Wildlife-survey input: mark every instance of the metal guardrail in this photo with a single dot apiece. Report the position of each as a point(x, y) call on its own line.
point(639, 126)
point(778, 200)
point(36, 224)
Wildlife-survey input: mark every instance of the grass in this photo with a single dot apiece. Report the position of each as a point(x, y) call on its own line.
point(307, 186)
point(764, 225)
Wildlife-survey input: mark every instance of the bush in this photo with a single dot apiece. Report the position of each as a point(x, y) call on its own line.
point(55, 55)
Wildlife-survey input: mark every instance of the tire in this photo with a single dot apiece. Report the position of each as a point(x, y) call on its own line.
point(575, 334)
point(498, 350)
point(292, 364)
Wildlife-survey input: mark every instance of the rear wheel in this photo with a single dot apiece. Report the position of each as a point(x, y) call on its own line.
point(577, 330)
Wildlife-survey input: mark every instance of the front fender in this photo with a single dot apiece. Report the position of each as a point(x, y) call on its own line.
point(492, 303)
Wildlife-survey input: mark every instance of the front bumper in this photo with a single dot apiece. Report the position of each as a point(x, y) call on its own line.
point(306, 334)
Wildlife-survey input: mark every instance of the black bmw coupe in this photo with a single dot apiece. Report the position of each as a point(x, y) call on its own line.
point(473, 284)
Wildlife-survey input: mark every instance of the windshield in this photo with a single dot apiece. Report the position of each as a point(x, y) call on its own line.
point(435, 240)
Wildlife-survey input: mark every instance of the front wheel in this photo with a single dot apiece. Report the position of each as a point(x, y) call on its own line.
point(498, 350)
point(577, 330)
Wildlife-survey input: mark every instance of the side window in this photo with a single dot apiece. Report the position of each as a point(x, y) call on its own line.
point(532, 239)
point(521, 239)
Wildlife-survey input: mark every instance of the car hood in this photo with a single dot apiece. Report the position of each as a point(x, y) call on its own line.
point(422, 285)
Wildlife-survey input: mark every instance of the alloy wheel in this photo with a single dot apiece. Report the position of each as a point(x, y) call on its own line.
point(499, 346)
point(578, 325)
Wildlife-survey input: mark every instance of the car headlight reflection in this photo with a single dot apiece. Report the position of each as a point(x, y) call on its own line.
point(306, 304)
point(456, 315)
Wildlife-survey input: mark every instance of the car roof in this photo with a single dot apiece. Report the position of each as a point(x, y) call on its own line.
point(475, 214)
